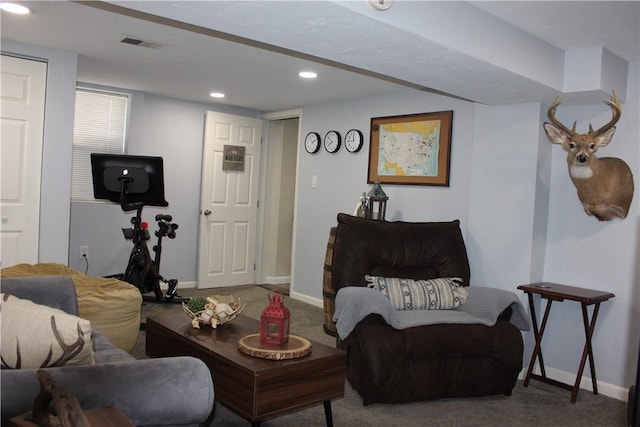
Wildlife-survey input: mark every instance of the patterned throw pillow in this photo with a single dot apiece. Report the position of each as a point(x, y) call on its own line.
point(432, 294)
point(37, 336)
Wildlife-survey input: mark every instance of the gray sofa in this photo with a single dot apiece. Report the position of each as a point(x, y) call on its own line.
point(175, 391)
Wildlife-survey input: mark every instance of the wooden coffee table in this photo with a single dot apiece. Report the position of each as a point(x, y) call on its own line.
point(252, 387)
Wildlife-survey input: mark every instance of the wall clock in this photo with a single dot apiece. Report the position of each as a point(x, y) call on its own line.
point(332, 141)
point(353, 141)
point(312, 142)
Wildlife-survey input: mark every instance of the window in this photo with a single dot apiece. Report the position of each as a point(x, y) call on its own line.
point(99, 126)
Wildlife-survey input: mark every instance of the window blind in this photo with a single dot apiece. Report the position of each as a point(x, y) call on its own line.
point(99, 126)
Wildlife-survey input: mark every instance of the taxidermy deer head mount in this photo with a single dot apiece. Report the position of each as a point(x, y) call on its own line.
point(605, 185)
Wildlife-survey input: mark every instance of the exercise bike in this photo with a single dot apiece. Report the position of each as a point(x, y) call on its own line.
point(144, 272)
point(135, 182)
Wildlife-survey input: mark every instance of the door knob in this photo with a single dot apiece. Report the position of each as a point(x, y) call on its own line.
point(207, 212)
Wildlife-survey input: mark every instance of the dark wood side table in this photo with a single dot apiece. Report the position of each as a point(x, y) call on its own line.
point(555, 292)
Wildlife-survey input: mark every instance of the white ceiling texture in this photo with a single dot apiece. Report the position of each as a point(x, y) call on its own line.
point(489, 52)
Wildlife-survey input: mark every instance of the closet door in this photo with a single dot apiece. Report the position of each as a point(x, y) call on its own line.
point(22, 97)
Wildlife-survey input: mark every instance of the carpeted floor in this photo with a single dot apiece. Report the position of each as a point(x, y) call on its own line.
point(537, 405)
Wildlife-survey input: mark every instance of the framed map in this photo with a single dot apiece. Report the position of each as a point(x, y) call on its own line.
point(413, 149)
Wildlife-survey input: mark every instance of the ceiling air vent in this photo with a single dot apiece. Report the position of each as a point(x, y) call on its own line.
point(137, 42)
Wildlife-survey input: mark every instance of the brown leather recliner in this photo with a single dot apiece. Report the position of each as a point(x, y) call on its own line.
point(422, 362)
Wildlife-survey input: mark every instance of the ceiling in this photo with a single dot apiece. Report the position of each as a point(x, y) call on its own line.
point(576, 24)
point(253, 51)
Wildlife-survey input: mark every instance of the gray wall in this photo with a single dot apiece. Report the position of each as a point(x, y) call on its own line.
point(599, 255)
point(174, 130)
point(342, 177)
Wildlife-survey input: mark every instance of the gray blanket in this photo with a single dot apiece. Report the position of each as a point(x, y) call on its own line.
point(483, 306)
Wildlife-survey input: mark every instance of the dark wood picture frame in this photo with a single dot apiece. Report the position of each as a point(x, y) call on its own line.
point(410, 153)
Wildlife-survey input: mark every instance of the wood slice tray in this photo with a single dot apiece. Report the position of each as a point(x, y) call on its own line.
point(296, 347)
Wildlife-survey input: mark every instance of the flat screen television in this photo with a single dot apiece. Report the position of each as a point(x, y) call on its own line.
point(132, 181)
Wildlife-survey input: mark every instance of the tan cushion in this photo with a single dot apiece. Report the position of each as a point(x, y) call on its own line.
point(112, 306)
point(37, 336)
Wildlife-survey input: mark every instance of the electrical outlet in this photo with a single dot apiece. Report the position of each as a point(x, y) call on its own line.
point(84, 251)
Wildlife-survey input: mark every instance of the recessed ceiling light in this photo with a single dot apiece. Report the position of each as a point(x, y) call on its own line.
point(14, 8)
point(217, 95)
point(307, 74)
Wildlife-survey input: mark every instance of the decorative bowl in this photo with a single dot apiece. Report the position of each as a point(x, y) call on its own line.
point(218, 310)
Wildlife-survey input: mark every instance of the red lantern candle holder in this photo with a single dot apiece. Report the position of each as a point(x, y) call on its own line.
point(274, 322)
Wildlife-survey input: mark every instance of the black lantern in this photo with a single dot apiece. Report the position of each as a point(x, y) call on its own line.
point(377, 205)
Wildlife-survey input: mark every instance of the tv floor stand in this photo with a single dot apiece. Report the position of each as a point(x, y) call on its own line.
point(143, 271)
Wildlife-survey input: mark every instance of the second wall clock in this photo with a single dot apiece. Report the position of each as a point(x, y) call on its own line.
point(332, 141)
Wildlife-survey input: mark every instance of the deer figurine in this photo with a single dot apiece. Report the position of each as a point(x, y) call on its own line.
point(604, 185)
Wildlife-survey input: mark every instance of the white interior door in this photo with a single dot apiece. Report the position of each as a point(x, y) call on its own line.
point(229, 202)
point(22, 95)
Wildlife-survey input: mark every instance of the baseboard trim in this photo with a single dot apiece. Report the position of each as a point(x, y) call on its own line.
point(277, 280)
point(307, 299)
point(606, 389)
point(181, 285)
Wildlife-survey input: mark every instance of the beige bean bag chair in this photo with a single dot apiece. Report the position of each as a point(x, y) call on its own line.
point(112, 306)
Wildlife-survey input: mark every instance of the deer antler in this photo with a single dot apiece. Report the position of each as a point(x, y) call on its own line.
point(552, 116)
point(615, 115)
point(69, 351)
point(18, 358)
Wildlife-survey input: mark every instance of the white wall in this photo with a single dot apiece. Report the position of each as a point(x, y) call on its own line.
point(56, 155)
